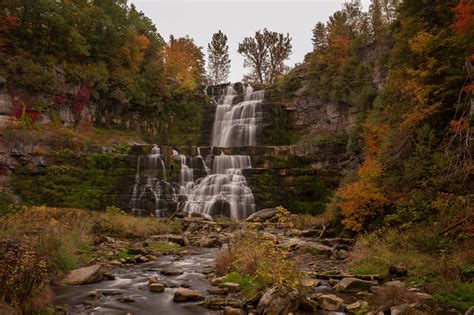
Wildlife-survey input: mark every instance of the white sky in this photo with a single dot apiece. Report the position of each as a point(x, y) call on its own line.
point(238, 19)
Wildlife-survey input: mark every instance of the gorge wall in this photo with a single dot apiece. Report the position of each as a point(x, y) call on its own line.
point(300, 177)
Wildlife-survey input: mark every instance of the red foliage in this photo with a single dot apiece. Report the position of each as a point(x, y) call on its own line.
point(464, 20)
point(7, 23)
point(80, 99)
point(23, 109)
point(58, 99)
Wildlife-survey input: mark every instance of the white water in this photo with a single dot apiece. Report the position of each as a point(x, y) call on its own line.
point(235, 125)
point(224, 190)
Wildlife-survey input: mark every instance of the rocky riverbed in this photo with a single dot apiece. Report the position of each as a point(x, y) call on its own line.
point(175, 274)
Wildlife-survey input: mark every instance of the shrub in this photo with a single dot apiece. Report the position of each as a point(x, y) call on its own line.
point(258, 262)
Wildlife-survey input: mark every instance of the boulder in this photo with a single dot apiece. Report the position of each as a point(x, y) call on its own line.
point(184, 295)
point(208, 242)
point(229, 310)
point(357, 307)
point(172, 271)
point(330, 302)
point(396, 283)
point(278, 300)
point(177, 239)
point(218, 291)
point(354, 285)
point(231, 286)
point(156, 287)
point(398, 271)
point(470, 311)
point(263, 215)
point(91, 274)
point(314, 248)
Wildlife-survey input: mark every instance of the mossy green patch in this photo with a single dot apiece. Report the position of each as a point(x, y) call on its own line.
point(164, 247)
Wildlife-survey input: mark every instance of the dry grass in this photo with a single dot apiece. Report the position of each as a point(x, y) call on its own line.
point(250, 255)
point(389, 296)
point(45, 242)
point(307, 221)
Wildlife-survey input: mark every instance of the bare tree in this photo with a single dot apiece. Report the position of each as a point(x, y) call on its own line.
point(265, 54)
point(219, 62)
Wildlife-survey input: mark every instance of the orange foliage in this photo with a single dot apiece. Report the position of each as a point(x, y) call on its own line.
point(339, 46)
point(184, 61)
point(460, 125)
point(464, 20)
point(134, 49)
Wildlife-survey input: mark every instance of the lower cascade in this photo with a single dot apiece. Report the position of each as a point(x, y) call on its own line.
point(214, 186)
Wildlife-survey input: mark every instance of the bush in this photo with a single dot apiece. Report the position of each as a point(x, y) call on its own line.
point(258, 263)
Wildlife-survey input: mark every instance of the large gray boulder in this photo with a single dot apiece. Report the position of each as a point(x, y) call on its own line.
point(354, 285)
point(91, 274)
point(278, 300)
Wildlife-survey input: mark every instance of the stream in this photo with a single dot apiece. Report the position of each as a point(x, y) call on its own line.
point(132, 282)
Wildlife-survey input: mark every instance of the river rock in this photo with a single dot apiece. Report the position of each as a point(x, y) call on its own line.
point(93, 294)
point(231, 286)
point(126, 298)
point(470, 311)
point(357, 307)
point(172, 271)
point(396, 283)
point(229, 310)
point(330, 302)
point(184, 295)
point(177, 239)
point(156, 287)
point(278, 300)
point(398, 271)
point(263, 215)
point(209, 242)
point(91, 274)
point(218, 291)
point(219, 303)
point(315, 248)
point(354, 285)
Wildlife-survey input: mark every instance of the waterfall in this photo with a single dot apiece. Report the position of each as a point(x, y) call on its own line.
point(235, 125)
point(213, 186)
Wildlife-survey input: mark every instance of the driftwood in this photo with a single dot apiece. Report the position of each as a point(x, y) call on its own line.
point(326, 276)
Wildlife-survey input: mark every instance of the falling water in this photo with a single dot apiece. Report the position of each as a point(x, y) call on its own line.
point(215, 186)
point(235, 125)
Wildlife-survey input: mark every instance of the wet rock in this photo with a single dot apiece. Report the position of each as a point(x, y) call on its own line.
point(156, 287)
point(217, 281)
point(172, 271)
point(177, 239)
point(126, 298)
point(91, 274)
point(93, 294)
point(209, 242)
point(278, 300)
point(109, 275)
point(219, 304)
point(218, 291)
point(357, 307)
point(185, 285)
point(309, 283)
point(231, 286)
point(152, 279)
point(115, 263)
point(263, 215)
point(330, 302)
point(354, 285)
point(184, 295)
point(140, 259)
point(398, 271)
point(229, 310)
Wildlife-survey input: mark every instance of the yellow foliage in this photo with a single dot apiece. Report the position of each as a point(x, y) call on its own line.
point(134, 49)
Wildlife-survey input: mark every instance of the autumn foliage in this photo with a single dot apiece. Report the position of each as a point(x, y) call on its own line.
point(464, 21)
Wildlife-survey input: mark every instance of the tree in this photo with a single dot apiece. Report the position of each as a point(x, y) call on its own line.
point(219, 62)
point(265, 54)
point(184, 61)
point(320, 36)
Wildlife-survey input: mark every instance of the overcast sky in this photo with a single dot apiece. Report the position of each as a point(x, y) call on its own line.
point(238, 19)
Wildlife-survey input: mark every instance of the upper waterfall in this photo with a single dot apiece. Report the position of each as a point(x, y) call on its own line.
point(235, 125)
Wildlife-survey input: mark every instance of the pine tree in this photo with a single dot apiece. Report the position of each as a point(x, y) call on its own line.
point(320, 36)
point(219, 62)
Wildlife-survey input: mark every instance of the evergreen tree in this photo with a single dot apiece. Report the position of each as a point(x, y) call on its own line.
point(320, 36)
point(219, 62)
